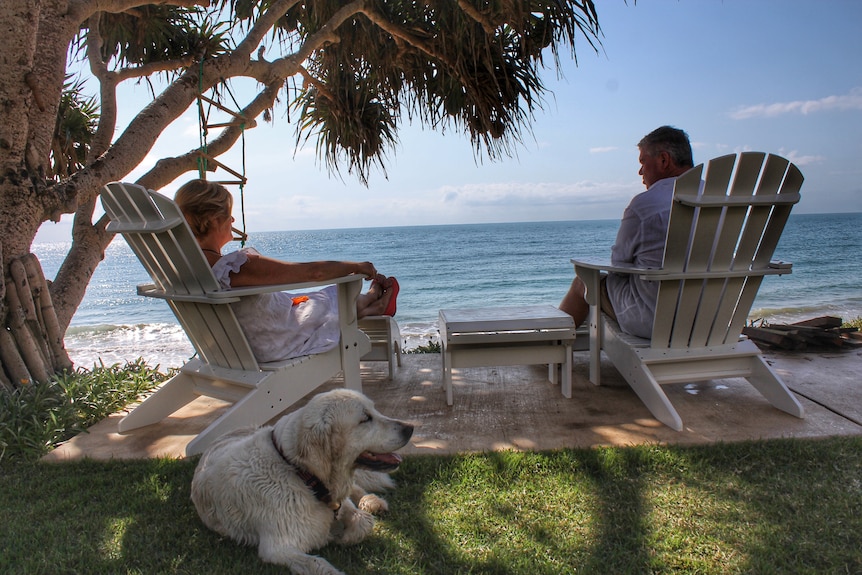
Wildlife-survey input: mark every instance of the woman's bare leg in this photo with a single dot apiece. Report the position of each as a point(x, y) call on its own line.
point(376, 299)
point(376, 307)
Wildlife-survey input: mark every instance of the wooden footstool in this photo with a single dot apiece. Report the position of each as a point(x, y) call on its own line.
point(523, 335)
point(385, 338)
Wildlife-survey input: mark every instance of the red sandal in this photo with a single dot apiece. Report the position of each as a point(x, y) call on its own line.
point(391, 306)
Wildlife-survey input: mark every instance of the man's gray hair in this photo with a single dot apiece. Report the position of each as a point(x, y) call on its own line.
point(671, 140)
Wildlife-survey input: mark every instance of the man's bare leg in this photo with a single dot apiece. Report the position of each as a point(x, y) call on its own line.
point(574, 302)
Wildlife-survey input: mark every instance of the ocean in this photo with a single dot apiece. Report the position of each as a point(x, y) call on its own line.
point(452, 266)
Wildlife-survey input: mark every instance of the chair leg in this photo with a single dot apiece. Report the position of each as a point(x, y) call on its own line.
point(390, 355)
point(447, 377)
point(567, 373)
point(271, 397)
point(395, 338)
point(769, 384)
point(172, 395)
point(354, 343)
point(653, 397)
point(596, 329)
point(561, 374)
point(553, 370)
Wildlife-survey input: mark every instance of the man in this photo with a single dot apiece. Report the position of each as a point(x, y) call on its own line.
point(665, 154)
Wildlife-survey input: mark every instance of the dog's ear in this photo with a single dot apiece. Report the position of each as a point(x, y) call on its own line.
point(321, 442)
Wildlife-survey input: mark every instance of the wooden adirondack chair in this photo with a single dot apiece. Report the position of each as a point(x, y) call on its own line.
point(224, 366)
point(718, 250)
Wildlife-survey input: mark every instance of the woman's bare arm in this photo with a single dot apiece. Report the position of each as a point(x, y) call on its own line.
point(261, 270)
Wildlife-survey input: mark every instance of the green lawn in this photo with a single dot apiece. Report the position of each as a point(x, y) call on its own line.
point(788, 506)
point(782, 506)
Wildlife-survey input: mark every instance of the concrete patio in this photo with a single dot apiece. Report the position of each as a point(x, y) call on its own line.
point(517, 408)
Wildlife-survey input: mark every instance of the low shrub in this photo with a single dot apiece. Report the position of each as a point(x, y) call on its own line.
point(36, 417)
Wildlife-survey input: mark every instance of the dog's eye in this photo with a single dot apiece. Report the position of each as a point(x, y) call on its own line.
point(366, 417)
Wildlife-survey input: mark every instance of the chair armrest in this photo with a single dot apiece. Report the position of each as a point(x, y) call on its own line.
point(590, 272)
point(585, 269)
point(606, 266)
point(234, 294)
point(150, 290)
point(270, 288)
point(591, 264)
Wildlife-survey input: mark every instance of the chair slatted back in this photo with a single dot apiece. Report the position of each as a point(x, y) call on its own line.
point(160, 237)
point(719, 246)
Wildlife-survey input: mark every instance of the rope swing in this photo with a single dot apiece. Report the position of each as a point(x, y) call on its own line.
point(205, 160)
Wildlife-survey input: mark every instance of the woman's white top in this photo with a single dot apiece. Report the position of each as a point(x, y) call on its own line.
point(276, 328)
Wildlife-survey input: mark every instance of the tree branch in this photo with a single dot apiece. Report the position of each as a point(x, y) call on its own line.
point(287, 66)
point(400, 33)
point(321, 87)
point(107, 90)
point(473, 13)
point(168, 169)
point(153, 68)
point(262, 27)
point(86, 8)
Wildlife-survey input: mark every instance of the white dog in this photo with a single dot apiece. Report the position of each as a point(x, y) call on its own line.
point(287, 488)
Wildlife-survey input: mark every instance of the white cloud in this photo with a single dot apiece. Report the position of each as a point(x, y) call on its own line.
point(471, 203)
point(850, 101)
point(603, 149)
point(535, 194)
point(799, 159)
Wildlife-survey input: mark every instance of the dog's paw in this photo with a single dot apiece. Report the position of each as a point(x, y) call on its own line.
point(311, 565)
point(373, 504)
point(372, 481)
point(357, 526)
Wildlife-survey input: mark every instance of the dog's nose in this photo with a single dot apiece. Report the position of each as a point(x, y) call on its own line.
point(406, 431)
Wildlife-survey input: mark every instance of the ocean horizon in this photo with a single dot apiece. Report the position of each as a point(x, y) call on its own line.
point(452, 266)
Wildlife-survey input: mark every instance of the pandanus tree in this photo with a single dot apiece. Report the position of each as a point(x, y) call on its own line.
point(349, 71)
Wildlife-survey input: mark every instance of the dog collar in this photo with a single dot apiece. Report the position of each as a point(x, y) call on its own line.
point(311, 481)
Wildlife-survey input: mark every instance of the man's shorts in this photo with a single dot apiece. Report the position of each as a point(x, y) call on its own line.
point(606, 304)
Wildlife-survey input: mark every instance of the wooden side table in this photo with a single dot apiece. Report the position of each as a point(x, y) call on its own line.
point(523, 335)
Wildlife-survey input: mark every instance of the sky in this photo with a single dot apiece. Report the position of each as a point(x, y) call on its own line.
point(780, 76)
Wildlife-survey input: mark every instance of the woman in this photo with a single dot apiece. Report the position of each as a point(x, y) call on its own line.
point(278, 325)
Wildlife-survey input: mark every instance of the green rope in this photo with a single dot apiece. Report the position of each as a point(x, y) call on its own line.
point(242, 190)
point(243, 179)
point(203, 121)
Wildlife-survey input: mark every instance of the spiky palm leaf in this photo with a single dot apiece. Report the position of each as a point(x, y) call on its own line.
point(469, 64)
point(77, 119)
point(473, 64)
point(156, 33)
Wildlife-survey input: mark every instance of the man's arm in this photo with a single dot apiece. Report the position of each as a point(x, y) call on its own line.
point(628, 236)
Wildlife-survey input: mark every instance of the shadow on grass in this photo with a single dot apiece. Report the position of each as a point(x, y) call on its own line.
point(788, 506)
point(115, 517)
point(508, 513)
point(779, 506)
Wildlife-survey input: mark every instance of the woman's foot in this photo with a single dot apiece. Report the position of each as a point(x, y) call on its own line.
point(378, 286)
point(380, 297)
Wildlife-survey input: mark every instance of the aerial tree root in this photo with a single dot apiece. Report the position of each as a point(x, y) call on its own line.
point(31, 342)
